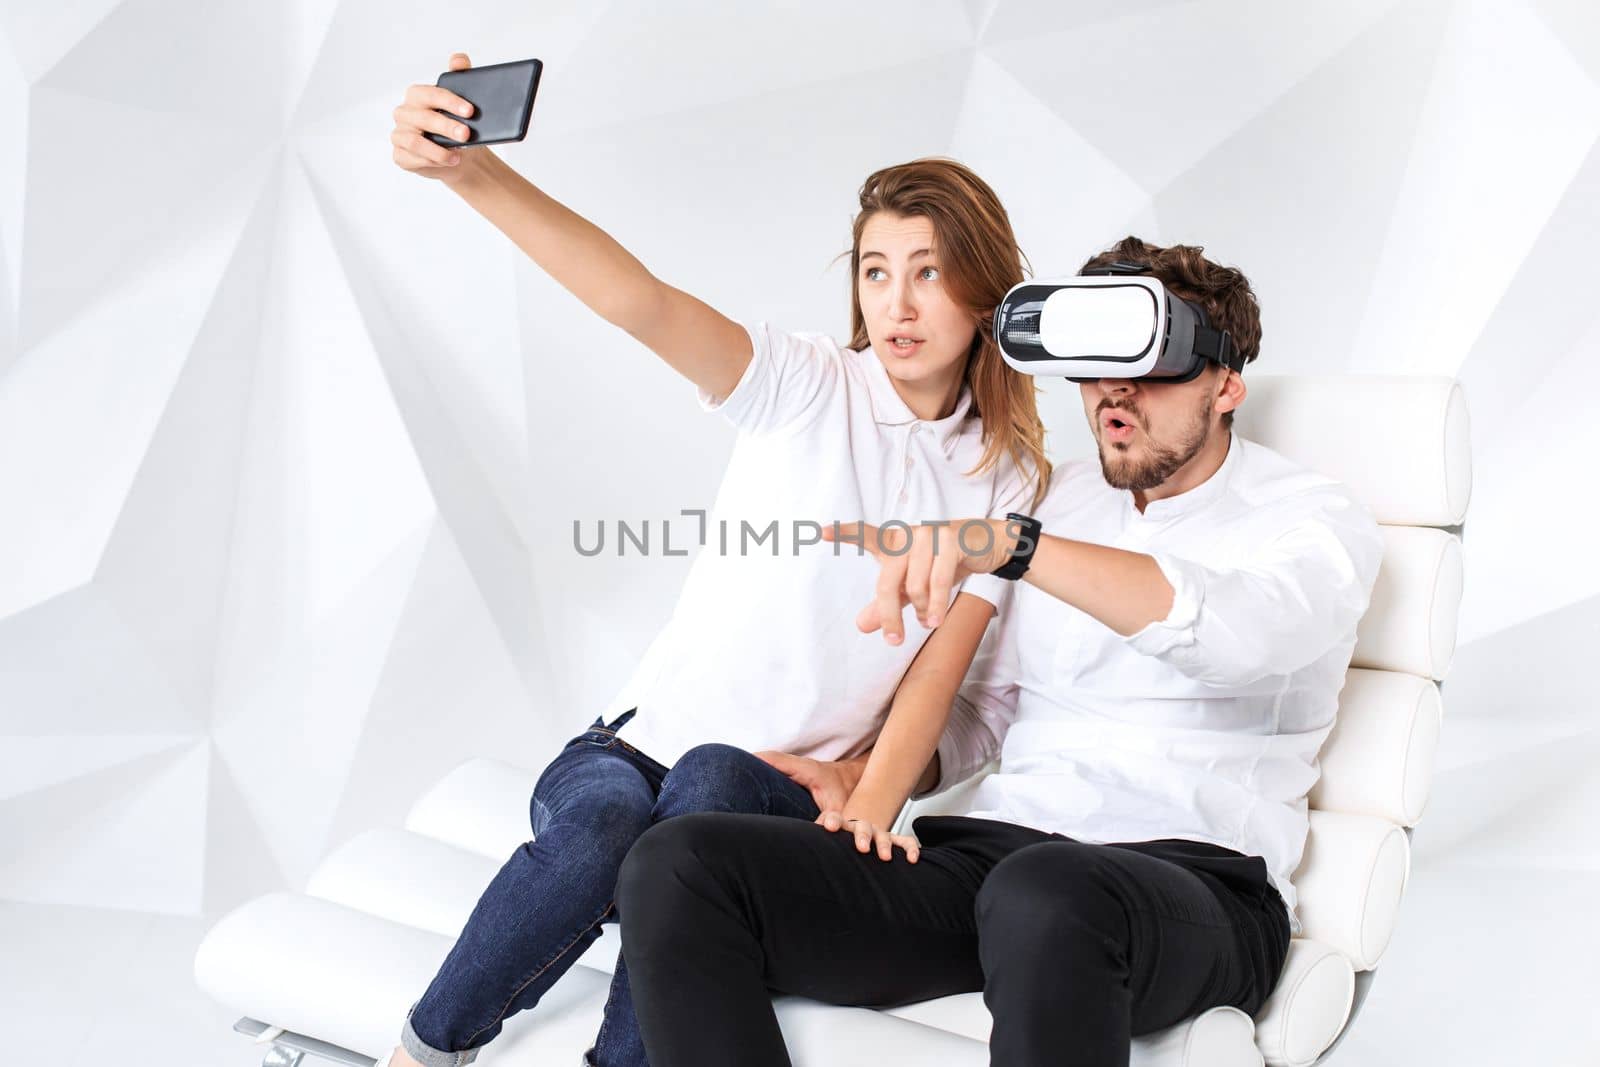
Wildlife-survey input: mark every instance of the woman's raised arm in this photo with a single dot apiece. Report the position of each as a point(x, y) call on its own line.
point(694, 338)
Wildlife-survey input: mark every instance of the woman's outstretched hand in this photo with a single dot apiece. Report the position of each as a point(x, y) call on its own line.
point(416, 115)
point(869, 837)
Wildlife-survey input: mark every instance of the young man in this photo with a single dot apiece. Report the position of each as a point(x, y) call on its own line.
point(1163, 679)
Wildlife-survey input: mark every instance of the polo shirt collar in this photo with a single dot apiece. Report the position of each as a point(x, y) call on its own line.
point(889, 410)
point(1193, 499)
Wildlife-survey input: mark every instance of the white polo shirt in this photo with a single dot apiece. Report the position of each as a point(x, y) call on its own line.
point(1204, 725)
point(762, 650)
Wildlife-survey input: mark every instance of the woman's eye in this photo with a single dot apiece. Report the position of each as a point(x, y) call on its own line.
point(930, 274)
point(871, 273)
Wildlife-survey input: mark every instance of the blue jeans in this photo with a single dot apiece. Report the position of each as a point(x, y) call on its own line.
point(548, 902)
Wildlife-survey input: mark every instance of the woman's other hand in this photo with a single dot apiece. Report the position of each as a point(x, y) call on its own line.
point(869, 837)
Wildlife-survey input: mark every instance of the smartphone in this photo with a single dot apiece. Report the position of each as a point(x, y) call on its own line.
point(502, 99)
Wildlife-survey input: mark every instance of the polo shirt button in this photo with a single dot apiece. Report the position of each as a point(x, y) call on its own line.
point(910, 463)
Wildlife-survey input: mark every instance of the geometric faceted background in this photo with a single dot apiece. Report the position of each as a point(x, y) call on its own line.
point(292, 441)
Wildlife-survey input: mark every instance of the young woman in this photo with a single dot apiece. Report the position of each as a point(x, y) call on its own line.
point(752, 659)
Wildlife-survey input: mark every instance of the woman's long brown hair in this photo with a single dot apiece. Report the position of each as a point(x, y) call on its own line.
point(979, 261)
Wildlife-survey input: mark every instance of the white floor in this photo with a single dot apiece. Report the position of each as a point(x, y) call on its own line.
point(1473, 978)
point(1467, 981)
point(86, 987)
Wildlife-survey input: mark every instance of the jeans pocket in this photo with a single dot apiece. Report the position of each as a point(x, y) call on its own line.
point(597, 737)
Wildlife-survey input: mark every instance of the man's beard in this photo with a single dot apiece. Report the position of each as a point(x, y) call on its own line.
point(1123, 470)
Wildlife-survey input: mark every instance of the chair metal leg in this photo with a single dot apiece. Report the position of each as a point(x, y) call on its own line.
point(290, 1049)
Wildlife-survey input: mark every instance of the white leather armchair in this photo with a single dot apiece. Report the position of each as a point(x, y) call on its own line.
point(330, 972)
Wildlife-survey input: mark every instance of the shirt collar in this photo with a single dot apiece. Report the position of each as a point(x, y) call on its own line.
point(889, 410)
point(1190, 500)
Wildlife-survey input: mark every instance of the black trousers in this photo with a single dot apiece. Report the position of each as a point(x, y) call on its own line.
point(1076, 947)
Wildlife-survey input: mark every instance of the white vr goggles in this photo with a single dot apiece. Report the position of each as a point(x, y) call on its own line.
point(1115, 322)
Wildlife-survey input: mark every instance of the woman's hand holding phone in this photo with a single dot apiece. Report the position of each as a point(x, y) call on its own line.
point(416, 114)
point(694, 339)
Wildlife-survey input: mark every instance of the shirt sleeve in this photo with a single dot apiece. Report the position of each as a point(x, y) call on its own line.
point(984, 708)
point(1302, 595)
point(996, 591)
point(789, 375)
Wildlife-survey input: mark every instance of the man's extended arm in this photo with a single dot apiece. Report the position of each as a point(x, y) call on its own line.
point(1298, 595)
point(1125, 590)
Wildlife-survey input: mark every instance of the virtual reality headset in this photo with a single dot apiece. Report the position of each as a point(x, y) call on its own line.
point(1113, 322)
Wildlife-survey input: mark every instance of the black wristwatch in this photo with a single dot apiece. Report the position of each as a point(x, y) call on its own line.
point(1022, 555)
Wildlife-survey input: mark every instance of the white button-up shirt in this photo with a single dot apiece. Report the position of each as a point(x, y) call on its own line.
point(1204, 725)
point(762, 650)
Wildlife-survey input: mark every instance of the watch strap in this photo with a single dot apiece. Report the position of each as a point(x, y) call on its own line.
point(1022, 554)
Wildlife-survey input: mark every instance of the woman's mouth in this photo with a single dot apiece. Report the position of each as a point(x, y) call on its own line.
point(904, 346)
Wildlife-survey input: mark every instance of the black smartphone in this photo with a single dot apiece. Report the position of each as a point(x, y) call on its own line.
point(502, 99)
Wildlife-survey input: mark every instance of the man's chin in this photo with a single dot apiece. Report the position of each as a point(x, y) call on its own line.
point(1119, 457)
point(1121, 470)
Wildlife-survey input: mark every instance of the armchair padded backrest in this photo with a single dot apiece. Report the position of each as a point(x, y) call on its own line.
point(1402, 446)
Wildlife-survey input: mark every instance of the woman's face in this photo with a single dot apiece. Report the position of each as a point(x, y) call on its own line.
point(917, 330)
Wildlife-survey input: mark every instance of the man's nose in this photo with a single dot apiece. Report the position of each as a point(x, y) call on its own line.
point(1116, 386)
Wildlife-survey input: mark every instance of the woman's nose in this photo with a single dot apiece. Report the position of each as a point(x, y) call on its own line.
point(901, 304)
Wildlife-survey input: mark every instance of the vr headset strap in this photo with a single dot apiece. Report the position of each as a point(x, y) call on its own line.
point(1217, 346)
